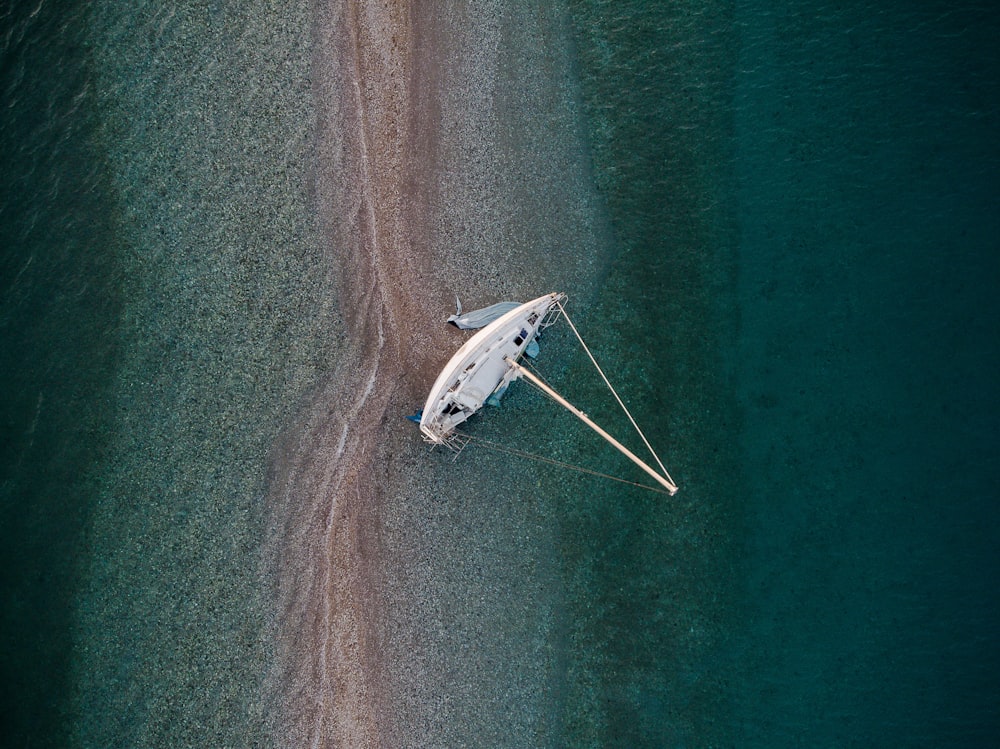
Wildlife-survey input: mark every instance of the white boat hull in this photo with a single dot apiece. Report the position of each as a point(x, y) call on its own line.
point(482, 367)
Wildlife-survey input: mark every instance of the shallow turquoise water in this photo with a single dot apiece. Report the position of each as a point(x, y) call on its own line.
point(161, 259)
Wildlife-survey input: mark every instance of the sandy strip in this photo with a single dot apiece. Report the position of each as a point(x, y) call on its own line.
point(324, 500)
point(448, 163)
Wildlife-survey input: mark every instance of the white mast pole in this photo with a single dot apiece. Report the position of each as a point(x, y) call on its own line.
point(670, 486)
point(613, 391)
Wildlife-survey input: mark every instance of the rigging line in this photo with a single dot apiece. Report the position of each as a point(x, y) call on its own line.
point(534, 368)
point(615, 393)
point(538, 389)
point(560, 464)
point(533, 378)
point(541, 390)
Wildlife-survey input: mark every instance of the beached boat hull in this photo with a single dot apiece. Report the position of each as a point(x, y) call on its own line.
point(482, 367)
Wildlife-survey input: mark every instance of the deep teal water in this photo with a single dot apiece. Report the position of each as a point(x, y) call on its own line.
point(869, 271)
point(160, 254)
point(59, 306)
point(804, 203)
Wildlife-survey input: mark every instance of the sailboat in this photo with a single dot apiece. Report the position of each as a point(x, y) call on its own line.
point(486, 365)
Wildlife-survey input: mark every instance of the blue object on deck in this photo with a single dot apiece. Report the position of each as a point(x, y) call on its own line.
point(495, 396)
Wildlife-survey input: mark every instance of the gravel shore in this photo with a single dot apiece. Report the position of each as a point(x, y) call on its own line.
point(419, 596)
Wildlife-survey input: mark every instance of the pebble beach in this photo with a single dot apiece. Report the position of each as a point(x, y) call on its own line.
point(433, 579)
